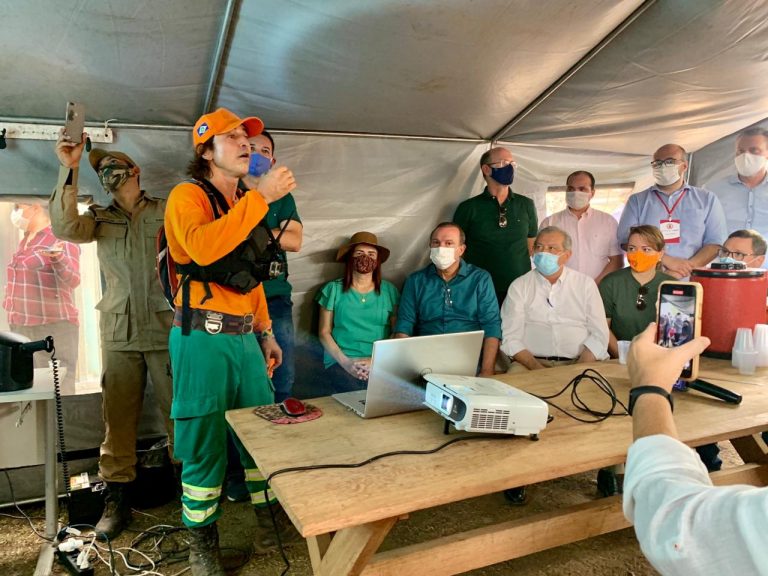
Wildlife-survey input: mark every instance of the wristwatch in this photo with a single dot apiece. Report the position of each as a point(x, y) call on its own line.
point(635, 393)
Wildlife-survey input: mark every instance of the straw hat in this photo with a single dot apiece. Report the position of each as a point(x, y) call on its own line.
point(362, 238)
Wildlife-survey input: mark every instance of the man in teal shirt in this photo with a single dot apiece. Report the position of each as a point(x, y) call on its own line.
point(281, 213)
point(450, 295)
point(500, 225)
point(278, 291)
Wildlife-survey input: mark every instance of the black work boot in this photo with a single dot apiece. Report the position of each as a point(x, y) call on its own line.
point(117, 511)
point(204, 559)
point(265, 530)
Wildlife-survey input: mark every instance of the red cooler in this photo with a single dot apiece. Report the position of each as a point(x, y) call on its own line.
point(732, 299)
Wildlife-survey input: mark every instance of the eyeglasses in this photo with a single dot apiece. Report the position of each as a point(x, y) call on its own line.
point(447, 297)
point(502, 164)
point(641, 294)
point(665, 162)
point(740, 256)
point(502, 216)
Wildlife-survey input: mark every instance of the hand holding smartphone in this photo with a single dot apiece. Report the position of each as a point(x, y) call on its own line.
point(679, 319)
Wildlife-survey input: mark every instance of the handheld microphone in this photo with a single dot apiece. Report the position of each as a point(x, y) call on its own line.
point(717, 391)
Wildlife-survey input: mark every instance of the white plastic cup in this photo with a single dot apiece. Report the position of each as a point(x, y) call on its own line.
point(623, 350)
point(744, 340)
point(761, 344)
point(747, 362)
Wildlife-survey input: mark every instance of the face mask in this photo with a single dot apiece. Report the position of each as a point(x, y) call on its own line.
point(113, 177)
point(503, 175)
point(727, 260)
point(363, 264)
point(666, 175)
point(442, 257)
point(748, 165)
point(18, 220)
point(576, 199)
point(259, 165)
point(642, 262)
point(546, 263)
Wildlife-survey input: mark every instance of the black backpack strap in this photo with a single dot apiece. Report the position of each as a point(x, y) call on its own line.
point(215, 197)
point(186, 315)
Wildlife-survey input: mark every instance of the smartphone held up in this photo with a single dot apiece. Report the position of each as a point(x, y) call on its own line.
point(74, 121)
point(679, 319)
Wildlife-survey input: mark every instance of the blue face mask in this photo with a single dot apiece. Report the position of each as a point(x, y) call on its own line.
point(546, 263)
point(503, 175)
point(259, 165)
point(728, 260)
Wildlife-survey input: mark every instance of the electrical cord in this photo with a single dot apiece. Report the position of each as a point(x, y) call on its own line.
point(603, 385)
point(59, 417)
point(24, 515)
point(370, 460)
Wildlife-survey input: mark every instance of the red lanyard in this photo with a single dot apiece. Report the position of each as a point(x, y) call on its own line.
point(670, 211)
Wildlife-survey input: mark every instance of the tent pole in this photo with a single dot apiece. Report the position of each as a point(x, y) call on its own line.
point(218, 54)
point(572, 70)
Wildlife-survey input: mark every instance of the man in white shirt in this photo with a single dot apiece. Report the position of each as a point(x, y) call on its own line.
point(684, 524)
point(553, 315)
point(744, 195)
point(596, 251)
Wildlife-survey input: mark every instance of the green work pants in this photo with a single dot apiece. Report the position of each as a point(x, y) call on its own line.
point(213, 373)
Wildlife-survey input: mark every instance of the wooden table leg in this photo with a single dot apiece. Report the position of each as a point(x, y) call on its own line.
point(349, 550)
point(752, 449)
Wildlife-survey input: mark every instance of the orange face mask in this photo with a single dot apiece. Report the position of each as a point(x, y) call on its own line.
point(642, 262)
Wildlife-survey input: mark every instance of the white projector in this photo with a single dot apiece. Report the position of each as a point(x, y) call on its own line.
point(485, 405)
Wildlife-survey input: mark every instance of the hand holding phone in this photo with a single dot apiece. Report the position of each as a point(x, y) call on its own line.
point(651, 365)
point(679, 319)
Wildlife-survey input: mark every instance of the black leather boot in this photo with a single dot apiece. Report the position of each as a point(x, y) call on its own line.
point(117, 511)
point(204, 558)
point(265, 530)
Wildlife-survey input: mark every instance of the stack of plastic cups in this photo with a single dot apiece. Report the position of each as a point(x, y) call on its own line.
point(761, 344)
point(744, 355)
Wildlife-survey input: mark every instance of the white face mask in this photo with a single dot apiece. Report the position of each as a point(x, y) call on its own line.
point(748, 165)
point(576, 199)
point(18, 220)
point(442, 257)
point(666, 175)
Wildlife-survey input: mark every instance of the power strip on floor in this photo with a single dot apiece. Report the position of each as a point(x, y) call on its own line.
point(69, 561)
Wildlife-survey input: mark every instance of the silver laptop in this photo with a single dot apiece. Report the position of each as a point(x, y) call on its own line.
point(396, 381)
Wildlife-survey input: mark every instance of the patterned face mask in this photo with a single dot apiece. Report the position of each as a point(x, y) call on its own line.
point(364, 264)
point(113, 177)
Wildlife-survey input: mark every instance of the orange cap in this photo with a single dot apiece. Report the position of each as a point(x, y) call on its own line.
point(222, 121)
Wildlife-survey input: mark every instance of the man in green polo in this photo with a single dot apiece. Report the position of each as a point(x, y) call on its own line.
point(500, 226)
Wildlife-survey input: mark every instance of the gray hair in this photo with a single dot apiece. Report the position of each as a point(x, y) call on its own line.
point(758, 242)
point(567, 243)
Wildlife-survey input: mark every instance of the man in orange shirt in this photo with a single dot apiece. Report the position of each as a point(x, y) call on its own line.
point(221, 336)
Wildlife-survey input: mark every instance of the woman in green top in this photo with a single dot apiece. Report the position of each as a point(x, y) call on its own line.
point(355, 311)
point(629, 295)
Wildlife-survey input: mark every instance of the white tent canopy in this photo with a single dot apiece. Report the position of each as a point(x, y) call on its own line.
point(624, 78)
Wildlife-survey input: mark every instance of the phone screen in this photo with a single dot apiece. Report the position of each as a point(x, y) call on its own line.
point(74, 121)
point(677, 318)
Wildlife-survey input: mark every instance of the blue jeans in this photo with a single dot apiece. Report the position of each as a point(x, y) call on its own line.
point(281, 312)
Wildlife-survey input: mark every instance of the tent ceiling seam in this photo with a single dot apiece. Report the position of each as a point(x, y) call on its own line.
point(555, 86)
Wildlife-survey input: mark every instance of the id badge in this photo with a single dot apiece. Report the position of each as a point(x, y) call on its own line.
point(670, 229)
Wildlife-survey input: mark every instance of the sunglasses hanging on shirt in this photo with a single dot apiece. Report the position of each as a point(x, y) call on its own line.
point(502, 216)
